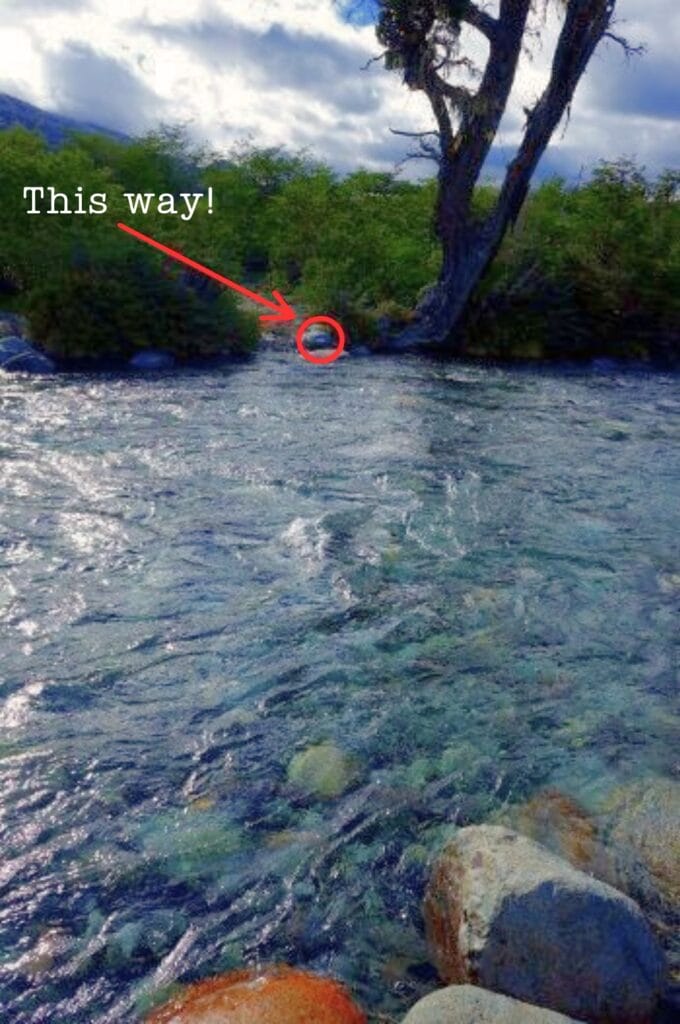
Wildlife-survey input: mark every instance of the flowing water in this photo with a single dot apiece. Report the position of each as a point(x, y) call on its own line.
point(466, 579)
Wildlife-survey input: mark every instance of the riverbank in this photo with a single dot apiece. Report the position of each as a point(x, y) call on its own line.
point(21, 353)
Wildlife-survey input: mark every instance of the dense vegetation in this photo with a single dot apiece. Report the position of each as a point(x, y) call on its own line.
point(588, 270)
point(89, 292)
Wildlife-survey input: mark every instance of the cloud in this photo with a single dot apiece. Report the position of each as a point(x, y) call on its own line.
point(46, 6)
point(93, 86)
point(646, 85)
point(277, 58)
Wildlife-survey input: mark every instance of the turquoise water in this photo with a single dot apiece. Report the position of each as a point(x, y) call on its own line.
point(465, 578)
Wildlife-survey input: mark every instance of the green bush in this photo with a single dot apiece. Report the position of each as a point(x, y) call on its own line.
point(112, 311)
point(589, 270)
point(89, 291)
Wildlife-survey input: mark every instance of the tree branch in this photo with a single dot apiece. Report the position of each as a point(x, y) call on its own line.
point(482, 115)
point(628, 48)
point(413, 135)
point(457, 95)
point(479, 19)
point(374, 60)
point(582, 30)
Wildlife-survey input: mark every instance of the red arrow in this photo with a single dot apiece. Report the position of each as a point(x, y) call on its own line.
point(283, 312)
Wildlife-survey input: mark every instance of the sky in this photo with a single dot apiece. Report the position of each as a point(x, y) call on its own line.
point(293, 72)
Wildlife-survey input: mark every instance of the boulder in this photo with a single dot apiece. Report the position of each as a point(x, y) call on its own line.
point(646, 823)
point(507, 914)
point(151, 361)
point(467, 1004)
point(323, 771)
point(632, 841)
point(560, 823)
point(17, 356)
point(643, 825)
point(278, 995)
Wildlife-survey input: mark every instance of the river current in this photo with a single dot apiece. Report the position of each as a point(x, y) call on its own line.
point(466, 579)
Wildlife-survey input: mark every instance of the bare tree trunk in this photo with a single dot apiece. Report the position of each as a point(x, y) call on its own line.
point(469, 246)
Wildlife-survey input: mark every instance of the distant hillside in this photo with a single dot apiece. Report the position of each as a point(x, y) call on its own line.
point(53, 127)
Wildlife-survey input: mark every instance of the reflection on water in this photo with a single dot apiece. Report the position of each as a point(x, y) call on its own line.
point(463, 579)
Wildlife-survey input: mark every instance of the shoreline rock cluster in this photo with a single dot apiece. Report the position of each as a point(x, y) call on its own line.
point(504, 913)
point(520, 927)
point(17, 354)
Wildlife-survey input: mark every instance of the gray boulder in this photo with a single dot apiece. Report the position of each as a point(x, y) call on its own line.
point(17, 356)
point(467, 1004)
point(151, 361)
point(505, 913)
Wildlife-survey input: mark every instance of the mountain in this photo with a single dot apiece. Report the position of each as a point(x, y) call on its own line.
point(53, 127)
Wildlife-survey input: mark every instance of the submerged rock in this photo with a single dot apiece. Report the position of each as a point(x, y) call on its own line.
point(643, 825)
point(558, 822)
point(505, 913)
point(190, 846)
point(150, 361)
point(40, 960)
point(647, 823)
point(324, 771)
point(18, 356)
point(279, 995)
point(467, 1004)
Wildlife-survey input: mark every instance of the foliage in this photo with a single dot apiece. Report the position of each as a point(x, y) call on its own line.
point(89, 291)
point(110, 311)
point(588, 270)
point(355, 243)
point(593, 269)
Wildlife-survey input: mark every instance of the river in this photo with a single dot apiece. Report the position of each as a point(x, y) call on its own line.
point(464, 578)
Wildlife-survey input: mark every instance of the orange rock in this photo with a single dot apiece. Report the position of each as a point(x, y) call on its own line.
point(276, 995)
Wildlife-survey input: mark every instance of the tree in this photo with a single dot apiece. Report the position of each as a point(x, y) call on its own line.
point(422, 39)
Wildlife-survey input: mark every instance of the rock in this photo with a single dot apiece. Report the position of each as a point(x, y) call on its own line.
point(279, 995)
point(40, 960)
point(669, 582)
point(467, 1004)
point(190, 845)
point(17, 356)
point(317, 337)
point(505, 913)
point(288, 837)
point(614, 430)
point(323, 771)
point(643, 822)
point(647, 823)
point(13, 323)
point(560, 823)
point(150, 361)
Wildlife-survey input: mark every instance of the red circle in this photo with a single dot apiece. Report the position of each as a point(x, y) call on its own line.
point(332, 356)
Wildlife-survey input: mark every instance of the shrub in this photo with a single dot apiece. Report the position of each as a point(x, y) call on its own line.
point(109, 312)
